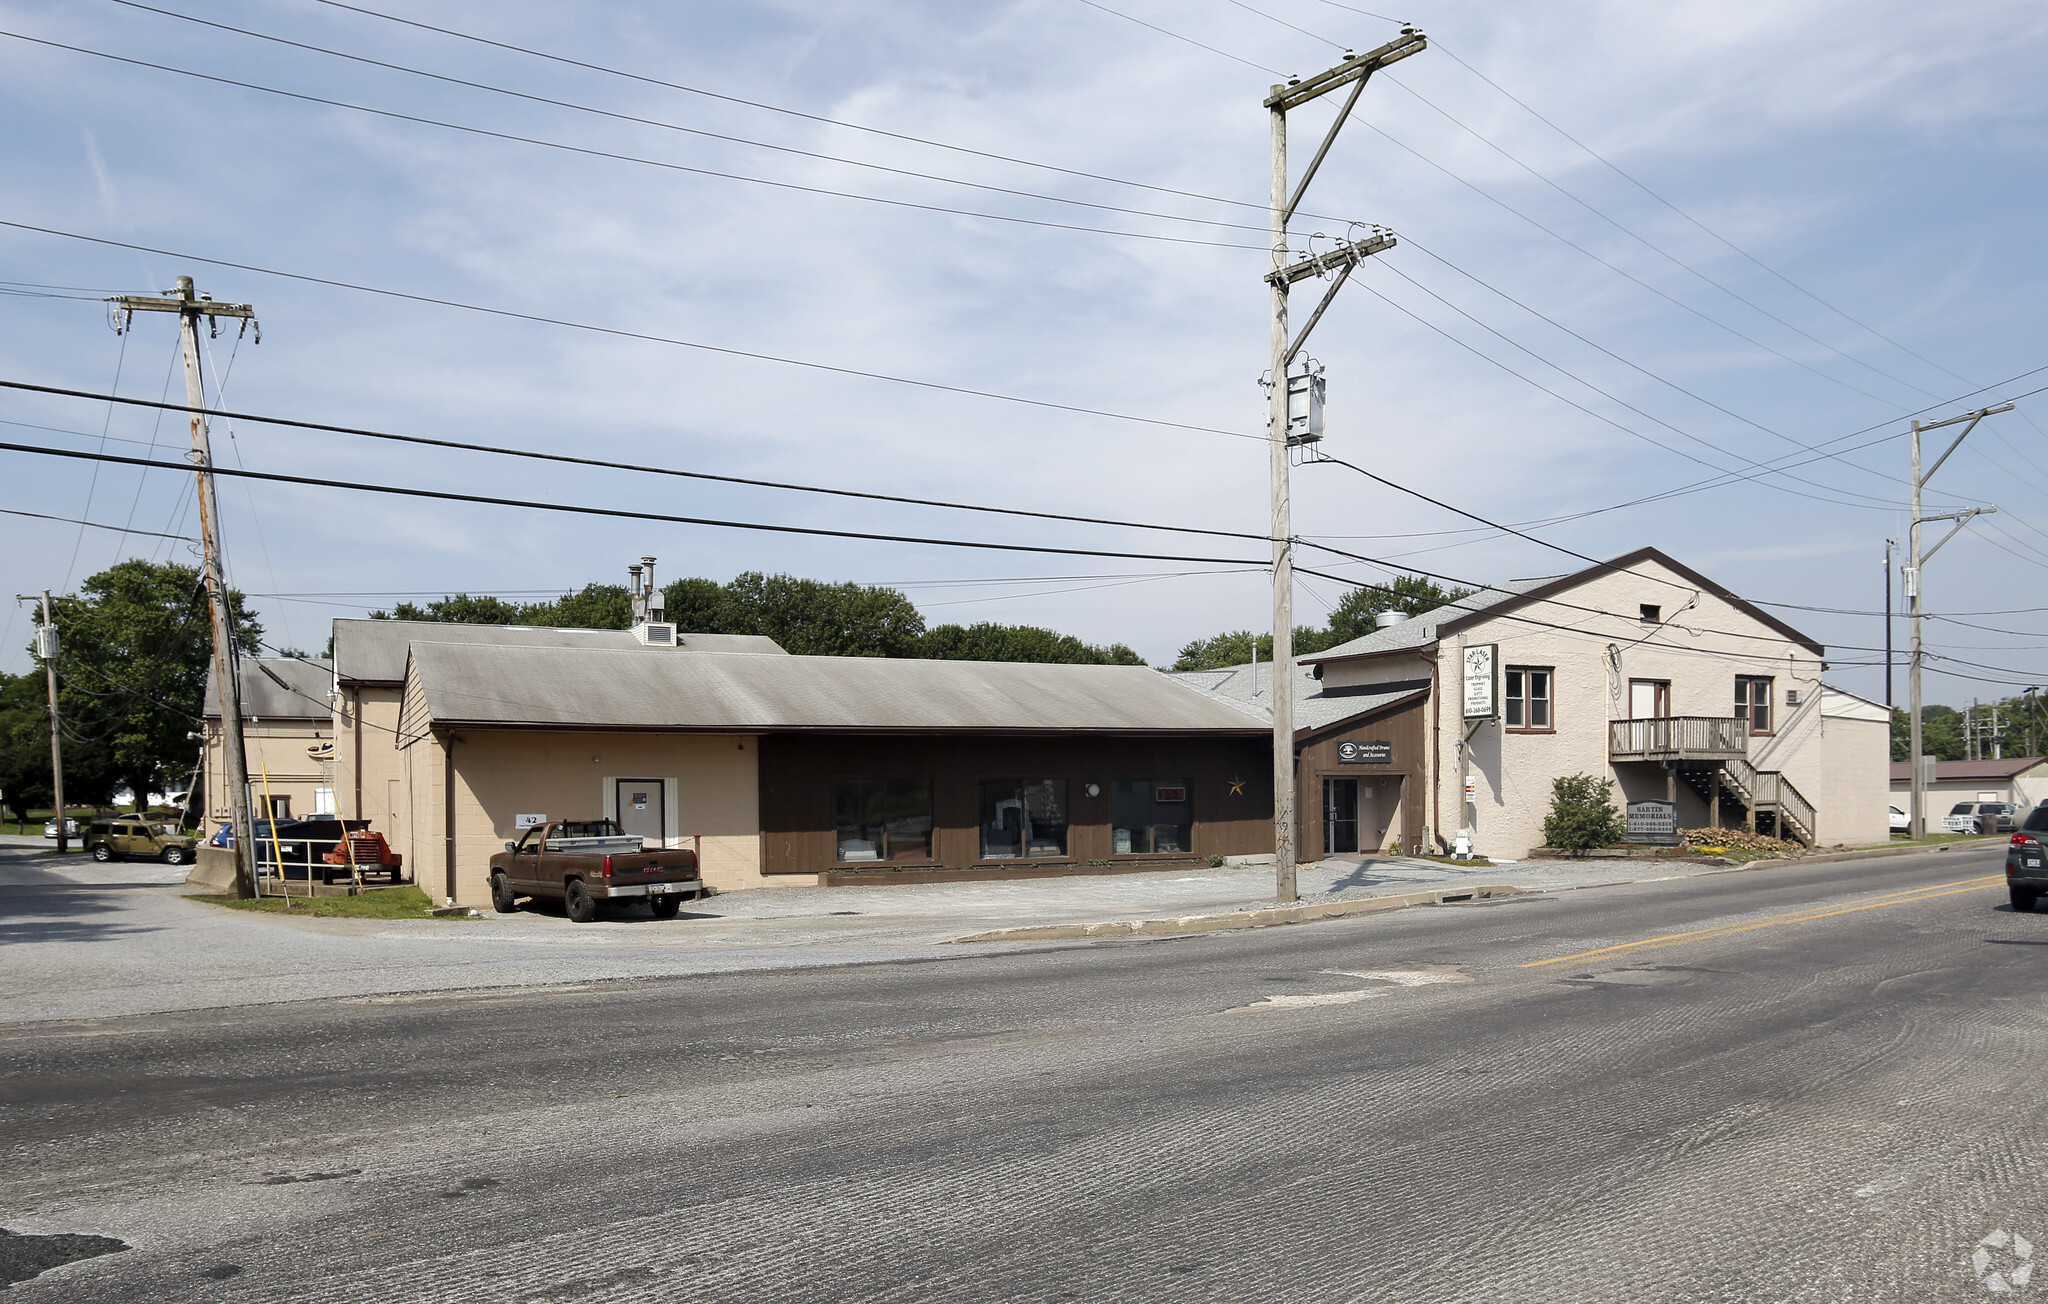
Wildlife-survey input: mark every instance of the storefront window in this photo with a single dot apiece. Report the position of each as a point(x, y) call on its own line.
point(884, 819)
point(1150, 816)
point(1023, 818)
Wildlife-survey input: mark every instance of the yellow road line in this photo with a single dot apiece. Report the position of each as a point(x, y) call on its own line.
point(1672, 939)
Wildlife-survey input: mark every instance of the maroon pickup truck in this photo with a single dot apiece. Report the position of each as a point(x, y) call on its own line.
point(584, 863)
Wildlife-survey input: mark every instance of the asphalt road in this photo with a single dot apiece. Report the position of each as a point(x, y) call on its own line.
point(1796, 1084)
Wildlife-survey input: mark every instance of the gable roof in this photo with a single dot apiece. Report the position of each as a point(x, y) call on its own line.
point(1316, 706)
point(278, 688)
point(1505, 599)
point(1969, 771)
point(619, 689)
point(1420, 631)
point(373, 651)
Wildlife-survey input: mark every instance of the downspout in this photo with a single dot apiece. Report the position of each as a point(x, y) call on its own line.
point(355, 697)
point(448, 814)
point(1436, 752)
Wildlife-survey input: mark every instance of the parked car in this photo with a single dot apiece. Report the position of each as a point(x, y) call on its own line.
point(2025, 878)
point(584, 863)
point(119, 839)
point(70, 828)
point(1982, 817)
point(1901, 822)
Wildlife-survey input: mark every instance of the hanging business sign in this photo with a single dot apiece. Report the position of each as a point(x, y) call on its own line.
point(1482, 681)
point(1365, 753)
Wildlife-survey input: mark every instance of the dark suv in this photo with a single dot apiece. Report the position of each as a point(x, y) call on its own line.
point(2024, 876)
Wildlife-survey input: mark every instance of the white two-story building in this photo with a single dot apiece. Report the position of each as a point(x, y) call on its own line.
point(1639, 670)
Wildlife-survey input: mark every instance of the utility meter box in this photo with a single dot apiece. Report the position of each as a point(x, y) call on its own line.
point(1304, 409)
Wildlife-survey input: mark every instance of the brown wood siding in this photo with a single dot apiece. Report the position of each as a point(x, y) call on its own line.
point(1406, 727)
point(798, 773)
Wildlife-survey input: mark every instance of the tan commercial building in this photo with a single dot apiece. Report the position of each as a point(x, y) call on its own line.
point(782, 768)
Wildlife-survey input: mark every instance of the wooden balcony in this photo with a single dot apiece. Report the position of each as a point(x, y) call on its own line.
point(1678, 738)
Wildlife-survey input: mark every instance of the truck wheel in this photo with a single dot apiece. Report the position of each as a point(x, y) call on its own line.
point(666, 907)
point(578, 903)
point(502, 899)
point(2023, 899)
point(102, 852)
point(174, 855)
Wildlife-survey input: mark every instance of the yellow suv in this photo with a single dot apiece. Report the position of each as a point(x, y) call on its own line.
point(118, 839)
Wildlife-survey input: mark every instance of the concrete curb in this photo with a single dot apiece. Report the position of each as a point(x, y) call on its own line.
point(1271, 915)
point(1187, 924)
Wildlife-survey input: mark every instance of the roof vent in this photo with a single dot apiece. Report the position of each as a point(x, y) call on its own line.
point(1389, 619)
point(655, 633)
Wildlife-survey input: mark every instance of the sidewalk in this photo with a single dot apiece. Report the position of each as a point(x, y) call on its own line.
point(84, 940)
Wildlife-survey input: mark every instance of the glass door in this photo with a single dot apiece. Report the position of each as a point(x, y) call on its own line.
point(1340, 816)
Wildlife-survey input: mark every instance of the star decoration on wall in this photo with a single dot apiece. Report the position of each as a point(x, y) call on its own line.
point(1237, 787)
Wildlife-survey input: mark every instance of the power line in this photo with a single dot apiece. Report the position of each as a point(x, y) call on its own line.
point(796, 113)
point(1617, 225)
point(1881, 505)
point(1761, 468)
point(118, 529)
point(624, 514)
point(614, 156)
point(603, 464)
point(1633, 180)
point(667, 518)
point(642, 336)
point(693, 131)
point(1626, 362)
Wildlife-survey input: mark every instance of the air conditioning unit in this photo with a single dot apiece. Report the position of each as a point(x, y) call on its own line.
point(1791, 697)
point(655, 634)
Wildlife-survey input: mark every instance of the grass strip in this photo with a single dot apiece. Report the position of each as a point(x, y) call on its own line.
point(376, 903)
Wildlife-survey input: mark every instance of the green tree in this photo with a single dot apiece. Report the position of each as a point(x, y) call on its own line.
point(458, 609)
point(1235, 648)
point(594, 606)
point(1582, 814)
point(1941, 733)
point(817, 618)
point(1412, 595)
point(988, 641)
point(134, 645)
point(694, 605)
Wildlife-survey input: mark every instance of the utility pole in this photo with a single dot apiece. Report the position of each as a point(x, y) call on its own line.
point(1282, 433)
point(1915, 559)
point(190, 307)
point(46, 649)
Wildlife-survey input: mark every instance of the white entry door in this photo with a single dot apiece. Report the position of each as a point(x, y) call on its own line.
point(642, 807)
point(1649, 699)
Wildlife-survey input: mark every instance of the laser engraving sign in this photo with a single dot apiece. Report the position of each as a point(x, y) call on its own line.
point(1482, 681)
point(1373, 752)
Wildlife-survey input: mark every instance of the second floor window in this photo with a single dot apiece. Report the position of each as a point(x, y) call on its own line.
point(1753, 702)
point(1528, 698)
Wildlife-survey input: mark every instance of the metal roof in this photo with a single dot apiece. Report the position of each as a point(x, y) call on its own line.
point(1315, 707)
point(599, 688)
point(1968, 771)
point(278, 688)
point(1420, 631)
point(373, 651)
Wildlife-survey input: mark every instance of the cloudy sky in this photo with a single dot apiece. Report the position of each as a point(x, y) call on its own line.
point(1652, 257)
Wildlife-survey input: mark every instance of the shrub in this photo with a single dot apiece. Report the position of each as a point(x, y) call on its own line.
point(1582, 814)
